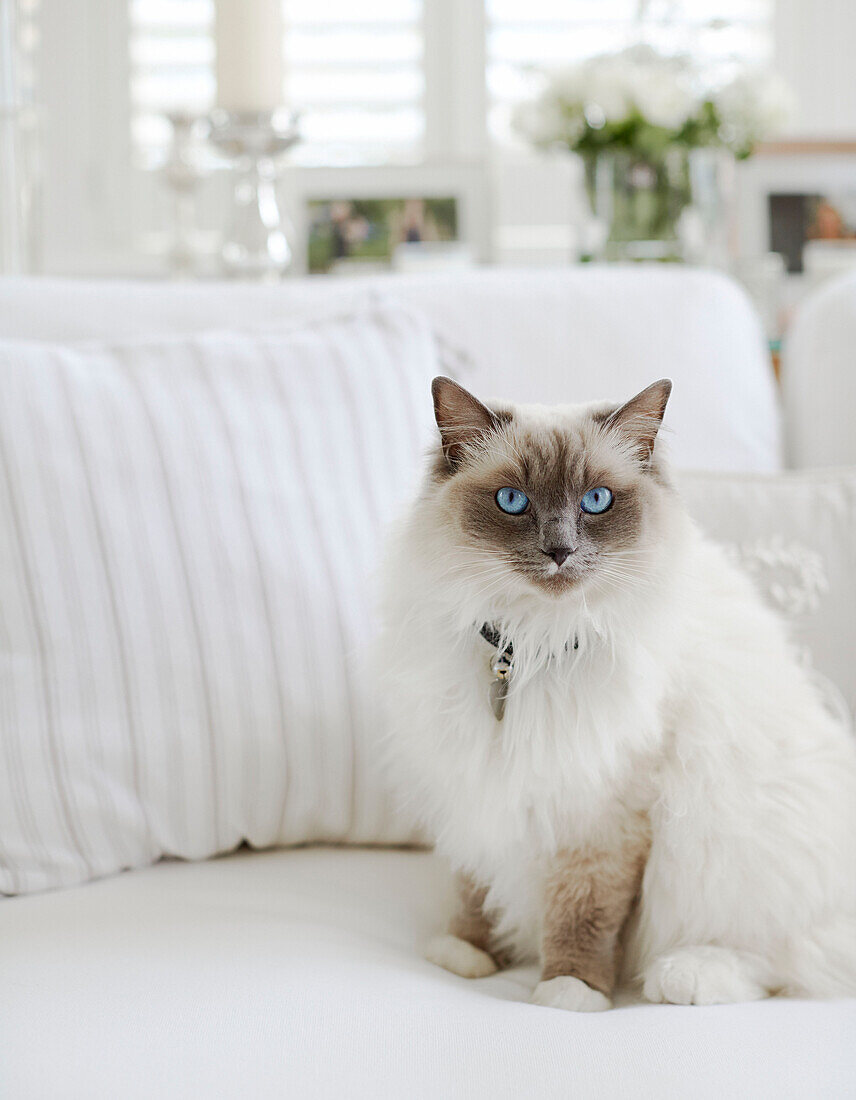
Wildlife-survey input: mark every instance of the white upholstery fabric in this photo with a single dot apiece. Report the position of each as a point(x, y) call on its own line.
point(796, 534)
point(557, 335)
point(188, 531)
point(819, 378)
point(297, 975)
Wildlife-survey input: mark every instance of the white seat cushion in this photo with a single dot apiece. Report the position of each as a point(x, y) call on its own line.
point(298, 974)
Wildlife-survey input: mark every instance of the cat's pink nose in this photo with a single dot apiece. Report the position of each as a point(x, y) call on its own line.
point(559, 553)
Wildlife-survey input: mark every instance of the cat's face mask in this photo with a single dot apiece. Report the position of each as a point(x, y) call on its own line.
point(555, 496)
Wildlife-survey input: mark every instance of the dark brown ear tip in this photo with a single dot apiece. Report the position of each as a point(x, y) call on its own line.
point(440, 383)
point(663, 387)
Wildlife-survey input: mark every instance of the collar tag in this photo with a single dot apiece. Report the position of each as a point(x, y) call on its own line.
point(498, 691)
point(501, 667)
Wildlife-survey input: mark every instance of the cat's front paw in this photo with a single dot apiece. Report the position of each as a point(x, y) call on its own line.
point(571, 994)
point(460, 957)
point(704, 975)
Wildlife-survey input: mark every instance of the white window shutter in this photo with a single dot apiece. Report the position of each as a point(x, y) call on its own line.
point(353, 71)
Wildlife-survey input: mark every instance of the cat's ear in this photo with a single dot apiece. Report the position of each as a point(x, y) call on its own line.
point(461, 418)
point(640, 418)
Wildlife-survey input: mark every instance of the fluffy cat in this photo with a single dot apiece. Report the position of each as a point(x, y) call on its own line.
point(664, 800)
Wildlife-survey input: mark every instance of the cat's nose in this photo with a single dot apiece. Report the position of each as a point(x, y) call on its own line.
point(559, 553)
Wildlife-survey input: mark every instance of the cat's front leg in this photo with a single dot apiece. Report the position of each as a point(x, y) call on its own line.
point(467, 949)
point(587, 900)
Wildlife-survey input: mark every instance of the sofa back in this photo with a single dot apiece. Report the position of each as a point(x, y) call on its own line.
point(819, 378)
point(557, 335)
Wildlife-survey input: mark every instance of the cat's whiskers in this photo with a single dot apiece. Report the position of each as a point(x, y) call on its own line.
point(623, 577)
point(490, 586)
point(476, 566)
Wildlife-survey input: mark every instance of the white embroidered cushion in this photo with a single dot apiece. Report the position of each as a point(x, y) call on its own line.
point(795, 533)
point(188, 531)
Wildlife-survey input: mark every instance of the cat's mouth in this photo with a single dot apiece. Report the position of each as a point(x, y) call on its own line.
point(559, 581)
point(554, 578)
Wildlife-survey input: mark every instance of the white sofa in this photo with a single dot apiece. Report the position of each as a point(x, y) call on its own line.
point(819, 380)
point(298, 973)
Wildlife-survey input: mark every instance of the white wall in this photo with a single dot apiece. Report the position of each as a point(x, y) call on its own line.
point(815, 50)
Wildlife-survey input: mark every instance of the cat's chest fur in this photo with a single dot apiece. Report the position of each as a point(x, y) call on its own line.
point(563, 763)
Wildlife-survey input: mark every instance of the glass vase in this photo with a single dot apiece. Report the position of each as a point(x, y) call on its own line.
point(639, 202)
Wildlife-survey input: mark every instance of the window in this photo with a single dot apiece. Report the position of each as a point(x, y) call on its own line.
point(524, 37)
point(354, 71)
point(394, 95)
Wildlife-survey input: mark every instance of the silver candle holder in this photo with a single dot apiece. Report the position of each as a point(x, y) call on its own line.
point(256, 244)
point(20, 174)
point(184, 173)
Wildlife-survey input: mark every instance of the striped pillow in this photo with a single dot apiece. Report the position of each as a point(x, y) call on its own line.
point(188, 528)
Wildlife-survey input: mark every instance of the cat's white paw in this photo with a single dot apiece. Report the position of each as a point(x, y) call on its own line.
point(702, 976)
point(571, 994)
point(460, 957)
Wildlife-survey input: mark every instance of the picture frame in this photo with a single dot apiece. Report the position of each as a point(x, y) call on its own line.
point(798, 196)
point(352, 235)
point(464, 184)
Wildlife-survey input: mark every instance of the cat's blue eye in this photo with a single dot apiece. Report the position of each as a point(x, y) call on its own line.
point(597, 500)
point(513, 501)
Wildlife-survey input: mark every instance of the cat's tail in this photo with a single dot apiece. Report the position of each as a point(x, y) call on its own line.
point(823, 962)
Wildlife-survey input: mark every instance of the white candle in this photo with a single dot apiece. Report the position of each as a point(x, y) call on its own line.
point(249, 54)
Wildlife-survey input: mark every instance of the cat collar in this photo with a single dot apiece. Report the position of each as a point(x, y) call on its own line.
point(501, 667)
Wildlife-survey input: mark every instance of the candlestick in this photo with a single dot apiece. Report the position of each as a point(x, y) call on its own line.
point(183, 173)
point(19, 150)
point(256, 244)
point(248, 36)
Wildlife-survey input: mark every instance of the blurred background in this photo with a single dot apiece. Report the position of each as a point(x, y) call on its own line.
point(267, 138)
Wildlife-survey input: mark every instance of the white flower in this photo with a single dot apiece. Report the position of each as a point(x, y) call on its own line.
point(662, 98)
point(533, 121)
point(611, 87)
point(547, 121)
point(661, 88)
point(754, 106)
point(664, 91)
point(569, 83)
point(606, 88)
